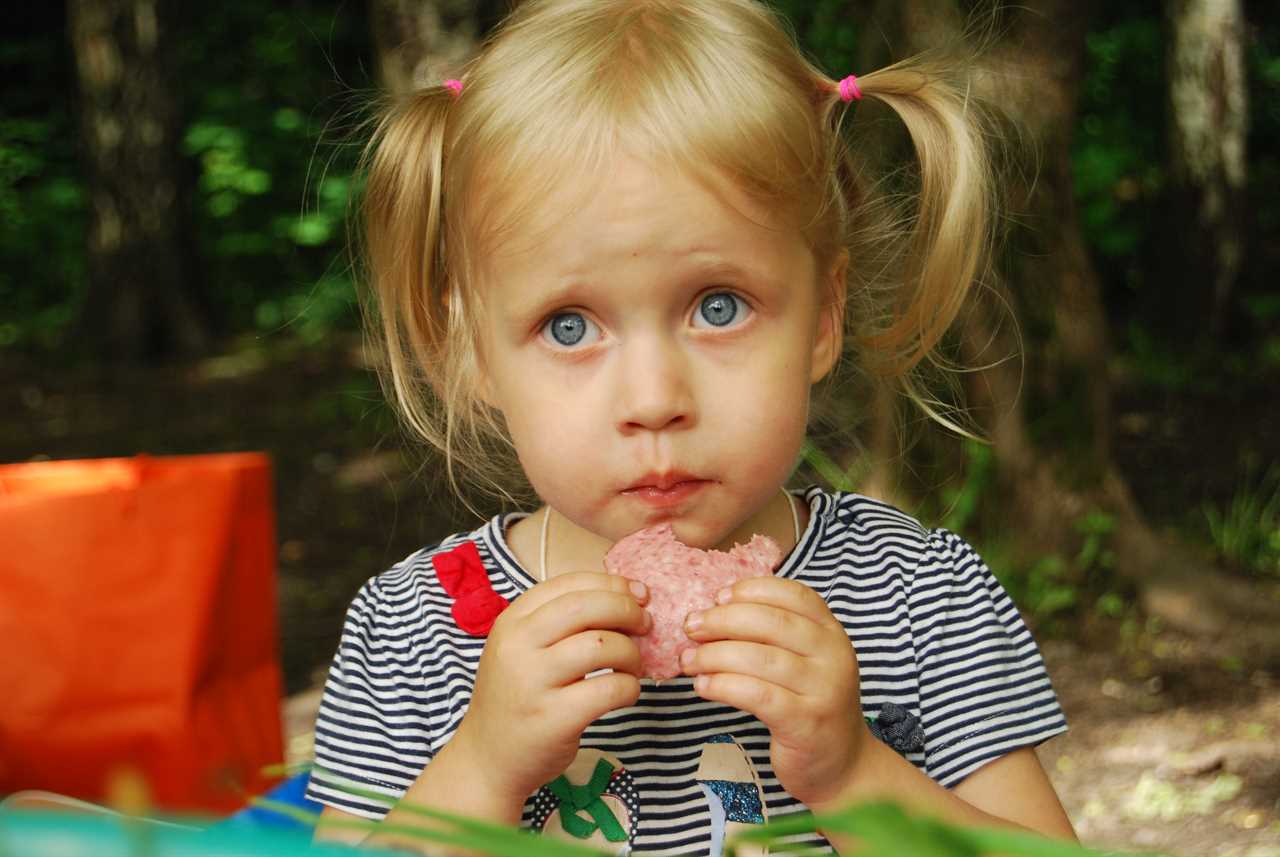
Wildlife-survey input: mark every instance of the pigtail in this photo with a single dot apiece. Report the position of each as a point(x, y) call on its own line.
point(402, 233)
point(921, 263)
point(949, 245)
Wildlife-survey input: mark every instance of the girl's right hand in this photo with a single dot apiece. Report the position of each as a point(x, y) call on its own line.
point(532, 700)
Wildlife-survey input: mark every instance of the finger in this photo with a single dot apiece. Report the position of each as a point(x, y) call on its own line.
point(579, 581)
point(574, 657)
point(757, 623)
point(769, 663)
point(583, 610)
point(779, 592)
point(591, 698)
point(774, 705)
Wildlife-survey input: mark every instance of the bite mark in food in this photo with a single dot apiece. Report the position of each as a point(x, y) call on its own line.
point(682, 580)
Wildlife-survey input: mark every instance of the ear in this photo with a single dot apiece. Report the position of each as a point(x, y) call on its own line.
point(828, 339)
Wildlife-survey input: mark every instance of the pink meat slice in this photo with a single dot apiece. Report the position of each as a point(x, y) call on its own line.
point(681, 580)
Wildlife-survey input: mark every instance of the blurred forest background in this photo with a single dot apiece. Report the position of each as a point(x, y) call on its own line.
point(174, 183)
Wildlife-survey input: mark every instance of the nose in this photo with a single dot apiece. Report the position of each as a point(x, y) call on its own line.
point(655, 389)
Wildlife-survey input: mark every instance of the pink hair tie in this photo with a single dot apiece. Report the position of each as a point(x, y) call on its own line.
point(454, 85)
point(849, 89)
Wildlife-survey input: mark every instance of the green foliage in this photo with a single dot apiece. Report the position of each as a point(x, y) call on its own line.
point(260, 86)
point(885, 830)
point(826, 29)
point(1051, 588)
point(1264, 131)
point(1120, 167)
point(272, 193)
point(1247, 531)
point(1263, 310)
point(1045, 589)
point(1157, 364)
point(1147, 360)
point(1118, 159)
point(261, 83)
point(837, 478)
point(1096, 527)
point(962, 501)
point(1054, 588)
point(42, 217)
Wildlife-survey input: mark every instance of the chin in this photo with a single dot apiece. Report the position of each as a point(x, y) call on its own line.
point(700, 535)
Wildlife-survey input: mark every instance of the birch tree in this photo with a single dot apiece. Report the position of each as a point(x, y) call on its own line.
point(1208, 125)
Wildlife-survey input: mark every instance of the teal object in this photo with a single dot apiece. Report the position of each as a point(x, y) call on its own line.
point(59, 834)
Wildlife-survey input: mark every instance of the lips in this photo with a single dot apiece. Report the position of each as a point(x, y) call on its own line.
point(662, 481)
point(664, 490)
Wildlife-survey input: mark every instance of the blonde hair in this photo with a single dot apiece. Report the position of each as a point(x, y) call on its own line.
point(717, 87)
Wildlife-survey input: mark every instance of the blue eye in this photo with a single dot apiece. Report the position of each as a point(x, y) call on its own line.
point(720, 309)
point(568, 329)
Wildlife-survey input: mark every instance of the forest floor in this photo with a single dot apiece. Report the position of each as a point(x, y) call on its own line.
point(1174, 743)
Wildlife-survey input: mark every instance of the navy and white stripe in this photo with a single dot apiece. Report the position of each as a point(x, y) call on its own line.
point(933, 631)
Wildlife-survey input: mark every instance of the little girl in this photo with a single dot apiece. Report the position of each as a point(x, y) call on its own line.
point(615, 258)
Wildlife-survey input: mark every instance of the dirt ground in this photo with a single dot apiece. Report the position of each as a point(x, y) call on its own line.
point(1174, 746)
point(1174, 743)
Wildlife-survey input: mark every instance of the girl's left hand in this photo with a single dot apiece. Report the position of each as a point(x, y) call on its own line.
point(772, 648)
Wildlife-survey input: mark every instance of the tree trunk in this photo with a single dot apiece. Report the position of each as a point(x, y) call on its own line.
point(1050, 479)
point(142, 301)
point(422, 42)
point(1208, 125)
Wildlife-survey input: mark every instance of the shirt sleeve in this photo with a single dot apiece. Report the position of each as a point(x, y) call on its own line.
point(372, 738)
point(984, 690)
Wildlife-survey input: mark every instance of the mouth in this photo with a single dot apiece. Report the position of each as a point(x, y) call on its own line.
point(665, 489)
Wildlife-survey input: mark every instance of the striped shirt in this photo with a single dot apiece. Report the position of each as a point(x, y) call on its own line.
point(932, 629)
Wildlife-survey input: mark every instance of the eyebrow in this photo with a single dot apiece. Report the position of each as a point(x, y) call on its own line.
point(529, 306)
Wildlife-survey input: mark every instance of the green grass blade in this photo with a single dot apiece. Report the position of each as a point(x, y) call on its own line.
point(1014, 842)
point(885, 830)
point(484, 836)
point(825, 467)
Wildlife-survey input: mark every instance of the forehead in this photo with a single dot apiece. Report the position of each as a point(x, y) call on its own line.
point(630, 207)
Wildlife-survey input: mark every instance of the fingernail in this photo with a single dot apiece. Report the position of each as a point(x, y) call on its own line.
point(700, 683)
point(723, 596)
point(639, 590)
point(686, 659)
point(648, 622)
point(693, 621)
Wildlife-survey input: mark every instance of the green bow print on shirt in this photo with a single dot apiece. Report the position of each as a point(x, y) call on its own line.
point(574, 799)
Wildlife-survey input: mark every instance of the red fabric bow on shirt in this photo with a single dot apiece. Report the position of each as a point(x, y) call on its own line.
point(463, 576)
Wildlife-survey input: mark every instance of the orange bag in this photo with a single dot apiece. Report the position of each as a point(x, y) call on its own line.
point(138, 625)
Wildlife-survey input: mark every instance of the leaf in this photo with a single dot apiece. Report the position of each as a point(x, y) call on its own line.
point(884, 830)
point(826, 468)
point(483, 836)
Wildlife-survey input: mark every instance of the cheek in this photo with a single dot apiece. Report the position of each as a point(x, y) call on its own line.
point(771, 390)
point(765, 419)
point(554, 440)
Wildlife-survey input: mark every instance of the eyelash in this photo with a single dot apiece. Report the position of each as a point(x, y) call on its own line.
point(544, 329)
